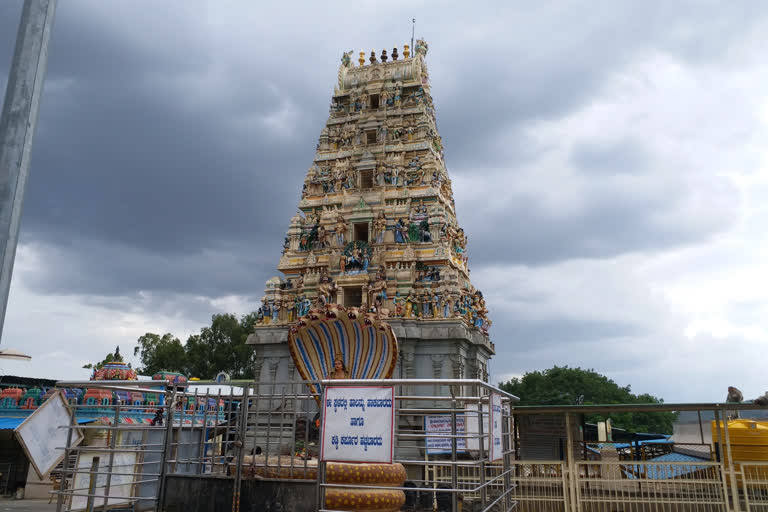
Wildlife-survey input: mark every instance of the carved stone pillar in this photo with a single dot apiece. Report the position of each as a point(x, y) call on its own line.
point(408, 357)
point(257, 366)
point(458, 366)
point(437, 369)
point(274, 364)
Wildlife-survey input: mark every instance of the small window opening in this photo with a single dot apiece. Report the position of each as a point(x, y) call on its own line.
point(361, 232)
point(353, 297)
point(370, 137)
point(374, 98)
point(366, 179)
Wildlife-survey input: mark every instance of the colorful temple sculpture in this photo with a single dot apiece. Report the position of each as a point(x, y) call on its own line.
point(377, 231)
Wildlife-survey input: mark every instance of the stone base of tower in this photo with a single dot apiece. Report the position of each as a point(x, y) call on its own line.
point(432, 349)
point(435, 349)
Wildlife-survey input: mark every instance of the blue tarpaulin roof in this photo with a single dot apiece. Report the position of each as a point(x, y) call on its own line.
point(664, 471)
point(12, 423)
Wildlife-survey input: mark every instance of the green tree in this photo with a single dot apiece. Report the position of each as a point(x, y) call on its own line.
point(160, 353)
point(570, 386)
point(218, 347)
point(221, 347)
point(110, 358)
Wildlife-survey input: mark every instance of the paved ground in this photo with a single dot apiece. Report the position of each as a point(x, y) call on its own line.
point(31, 505)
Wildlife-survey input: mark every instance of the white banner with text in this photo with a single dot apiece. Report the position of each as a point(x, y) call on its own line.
point(497, 447)
point(441, 424)
point(358, 423)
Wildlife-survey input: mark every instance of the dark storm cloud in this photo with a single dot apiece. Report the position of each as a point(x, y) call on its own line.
point(547, 61)
point(153, 140)
point(610, 225)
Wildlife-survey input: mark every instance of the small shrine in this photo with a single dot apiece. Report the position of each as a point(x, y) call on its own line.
point(377, 230)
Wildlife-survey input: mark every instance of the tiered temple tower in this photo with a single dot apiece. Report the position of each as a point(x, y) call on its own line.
point(377, 229)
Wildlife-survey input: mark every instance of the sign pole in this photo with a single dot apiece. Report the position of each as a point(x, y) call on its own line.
point(17, 128)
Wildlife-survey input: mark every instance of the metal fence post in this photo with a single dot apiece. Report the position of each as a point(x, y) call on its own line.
point(240, 445)
point(731, 472)
point(112, 444)
point(320, 492)
point(481, 445)
point(166, 449)
point(67, 451)
point(506, 454)
point(92, 484)
point(572, 472)
point(454, 442)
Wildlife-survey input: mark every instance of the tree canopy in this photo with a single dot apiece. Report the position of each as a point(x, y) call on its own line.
point(110, 358)
point(218, 347)
point(571, 386)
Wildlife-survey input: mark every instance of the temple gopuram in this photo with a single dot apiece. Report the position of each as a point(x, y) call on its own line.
point(377, 230)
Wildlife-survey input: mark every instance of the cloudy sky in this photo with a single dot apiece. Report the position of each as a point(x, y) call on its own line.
point(608, 159)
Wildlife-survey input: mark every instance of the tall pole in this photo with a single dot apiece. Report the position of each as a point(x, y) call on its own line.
point(17, 128)
point(413, 31)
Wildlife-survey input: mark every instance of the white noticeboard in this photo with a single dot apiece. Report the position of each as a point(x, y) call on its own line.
point(497, 446)
point(120, 486)
point(41, 436)
point(473, 429)
point(441, 424)
point(358, 424)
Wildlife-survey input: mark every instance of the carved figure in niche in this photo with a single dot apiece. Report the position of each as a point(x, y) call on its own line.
point(378, 288)
point(276, 311)
point(290, 307)
point(341, 230)
point(424, 234)
point(259, 316)
point(339, 371)
point(351, 179)
point(298, 306)
point(436, 180)
point(384, 97)
point(306, 304)
point(346, 60)
point(324, 291)
point(426, 306)
point(380, 175)
point(398, 91)
point(379, 227)
point(398, 302)
point(339, 177)
point(435, 306)
point(322, 237)
point(410, 300)
point(364, 101)
point(343, 263)
point(267, 312)
point(446, 306)
point(401, 231)
point(366, 261)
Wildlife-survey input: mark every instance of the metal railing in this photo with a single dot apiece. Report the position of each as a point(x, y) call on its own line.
point(120, 461)
point(269, 430)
